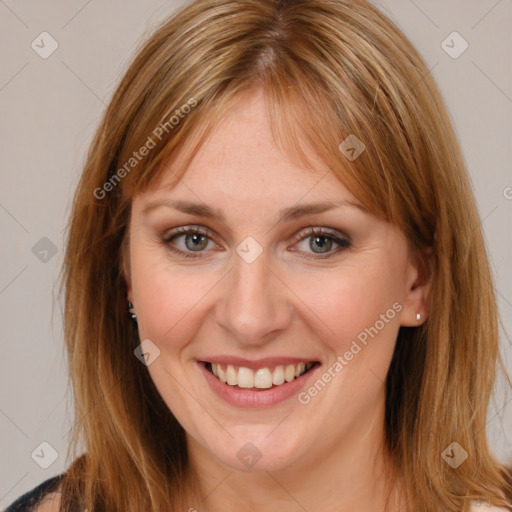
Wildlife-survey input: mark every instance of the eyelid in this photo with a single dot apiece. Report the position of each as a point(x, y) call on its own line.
point(322, 231)
point(170, 233)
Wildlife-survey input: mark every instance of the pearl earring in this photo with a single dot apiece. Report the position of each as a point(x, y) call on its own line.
point(418, 317)
point(130, 309)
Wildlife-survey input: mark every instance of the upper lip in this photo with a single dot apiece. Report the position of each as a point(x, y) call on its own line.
point(255, 364)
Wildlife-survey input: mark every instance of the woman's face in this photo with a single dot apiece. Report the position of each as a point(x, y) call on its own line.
point(271, 286)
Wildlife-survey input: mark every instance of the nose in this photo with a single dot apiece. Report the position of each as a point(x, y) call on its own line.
point(255, 306)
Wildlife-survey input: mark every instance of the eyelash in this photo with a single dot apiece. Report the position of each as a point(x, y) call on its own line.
point(311, 231)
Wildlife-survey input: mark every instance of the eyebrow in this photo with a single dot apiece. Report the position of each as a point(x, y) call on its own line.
point(287, 214)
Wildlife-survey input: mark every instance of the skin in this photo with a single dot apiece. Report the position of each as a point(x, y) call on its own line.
point(326, 454)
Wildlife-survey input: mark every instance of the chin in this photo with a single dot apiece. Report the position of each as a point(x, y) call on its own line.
point(260, 452)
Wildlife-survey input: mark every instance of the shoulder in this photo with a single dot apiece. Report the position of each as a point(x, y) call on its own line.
point(43, 498)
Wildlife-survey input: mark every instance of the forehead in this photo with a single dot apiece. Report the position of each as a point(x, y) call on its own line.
point(241, 163)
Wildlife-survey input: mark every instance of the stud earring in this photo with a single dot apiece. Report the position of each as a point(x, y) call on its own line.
point(418, 317)
point(130, 309)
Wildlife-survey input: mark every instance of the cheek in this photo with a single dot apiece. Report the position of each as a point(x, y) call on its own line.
point(354, 303)
point(168, 297)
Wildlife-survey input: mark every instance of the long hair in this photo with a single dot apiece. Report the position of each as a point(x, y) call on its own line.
point(330, 69)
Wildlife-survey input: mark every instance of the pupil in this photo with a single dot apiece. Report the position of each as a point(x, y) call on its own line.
point(318, 239)
point(195, 237)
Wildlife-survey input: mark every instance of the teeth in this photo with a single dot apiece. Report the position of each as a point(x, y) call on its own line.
point(300, 369)
point(262, 378)
point(289, 373)
point(231, 375)
point(222, 375)
point(245, 378)
point(278, 376)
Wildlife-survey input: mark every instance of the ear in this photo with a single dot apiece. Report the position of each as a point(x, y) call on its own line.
point(125, 268)
point(417, 292)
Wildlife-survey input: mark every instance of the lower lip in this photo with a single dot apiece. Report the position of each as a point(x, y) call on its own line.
point(262, 398)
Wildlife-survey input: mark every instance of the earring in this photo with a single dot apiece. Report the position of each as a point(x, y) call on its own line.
point(418, 317)
point(130, 309)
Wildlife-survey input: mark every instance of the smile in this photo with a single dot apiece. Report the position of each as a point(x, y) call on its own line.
point(259, 383)
point(261, 378)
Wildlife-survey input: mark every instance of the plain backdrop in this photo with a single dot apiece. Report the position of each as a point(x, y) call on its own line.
point(49, 108)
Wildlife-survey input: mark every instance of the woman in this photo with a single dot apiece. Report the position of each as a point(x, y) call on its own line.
point(276, 284)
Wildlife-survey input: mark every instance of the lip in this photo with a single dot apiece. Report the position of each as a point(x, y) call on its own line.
point(253, 399)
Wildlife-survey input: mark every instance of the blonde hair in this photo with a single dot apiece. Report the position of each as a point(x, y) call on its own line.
point(329, 69)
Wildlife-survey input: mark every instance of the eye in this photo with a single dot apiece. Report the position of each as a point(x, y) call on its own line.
point(194, 238)
point(321, 241)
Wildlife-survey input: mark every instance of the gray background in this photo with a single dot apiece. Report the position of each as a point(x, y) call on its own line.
point(49, 110)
